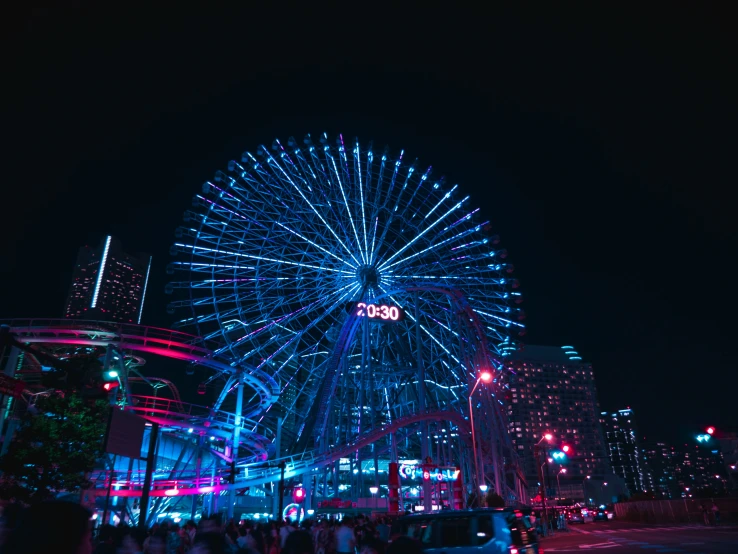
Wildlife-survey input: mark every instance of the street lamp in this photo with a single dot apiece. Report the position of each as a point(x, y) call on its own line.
point(541, 476)
point(558, 483)
point(374, 491)
point(485, 376)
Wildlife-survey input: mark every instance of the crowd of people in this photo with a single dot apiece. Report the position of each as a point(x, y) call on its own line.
point(65, 528)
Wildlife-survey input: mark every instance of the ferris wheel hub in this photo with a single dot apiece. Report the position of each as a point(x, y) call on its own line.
point(368, 276)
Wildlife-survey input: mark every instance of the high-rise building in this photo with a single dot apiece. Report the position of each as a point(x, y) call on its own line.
point(620, 434)
point(108, 284)
point(687, 470)
point(661, 460)
point(551, 390)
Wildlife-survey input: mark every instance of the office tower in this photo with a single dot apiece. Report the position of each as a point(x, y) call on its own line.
point(108, 284)
point(620, 435)
point(551, 390)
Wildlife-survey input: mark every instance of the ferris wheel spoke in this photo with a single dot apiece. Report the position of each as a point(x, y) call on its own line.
point(316, 245)
point(314, 210)
point(357, 162)
point(263, 258)
point(285, 319)
point(409, 314)
point(345, 203)
point(426, 230)
point(434, 247)
point(312, 323)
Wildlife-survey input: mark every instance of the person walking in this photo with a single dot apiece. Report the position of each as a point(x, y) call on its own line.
point(284, 532)
point(715, 513)
point(705, 514)
point(345, 538)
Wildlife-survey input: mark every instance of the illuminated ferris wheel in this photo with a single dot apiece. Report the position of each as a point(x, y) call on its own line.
point(367, 287)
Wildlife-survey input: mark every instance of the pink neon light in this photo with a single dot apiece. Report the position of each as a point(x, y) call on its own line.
point(172, 492)
point(378, 311)
point(205, 489)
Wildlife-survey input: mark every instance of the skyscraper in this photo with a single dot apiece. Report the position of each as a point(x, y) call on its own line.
point(620, 434)
point(108, 284)
point(686, 470)
point(551, 390)
point(661, 461)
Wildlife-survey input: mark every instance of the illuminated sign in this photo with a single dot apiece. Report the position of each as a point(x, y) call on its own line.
point(379, 312)
point(420, 473)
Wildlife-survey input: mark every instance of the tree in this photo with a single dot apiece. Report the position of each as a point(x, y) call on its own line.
point(55, 448)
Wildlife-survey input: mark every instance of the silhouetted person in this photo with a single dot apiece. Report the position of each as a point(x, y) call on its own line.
point(51, 527)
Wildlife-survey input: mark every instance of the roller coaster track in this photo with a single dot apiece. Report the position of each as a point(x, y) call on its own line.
point(151, 340)
point(299, 465)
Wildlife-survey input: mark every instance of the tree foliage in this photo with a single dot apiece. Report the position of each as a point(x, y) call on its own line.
point(57, 444)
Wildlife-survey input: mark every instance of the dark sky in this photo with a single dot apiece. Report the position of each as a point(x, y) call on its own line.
point(602, 145)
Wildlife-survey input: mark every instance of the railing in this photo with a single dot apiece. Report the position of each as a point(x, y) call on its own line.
point(163, 342)
point(256, 474)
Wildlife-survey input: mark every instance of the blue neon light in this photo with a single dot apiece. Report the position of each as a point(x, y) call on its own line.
point(100, 272)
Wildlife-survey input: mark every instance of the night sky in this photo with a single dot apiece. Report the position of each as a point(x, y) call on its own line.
point(602, 145)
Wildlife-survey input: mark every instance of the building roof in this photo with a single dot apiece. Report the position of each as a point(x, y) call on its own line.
point(552, 354)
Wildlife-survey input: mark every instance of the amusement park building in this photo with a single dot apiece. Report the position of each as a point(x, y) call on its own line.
point(108, 284)
point(552, 391)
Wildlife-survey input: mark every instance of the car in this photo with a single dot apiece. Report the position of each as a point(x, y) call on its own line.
point(482, 531)
point(603, 513)
point(578, 515)
point(600, 514)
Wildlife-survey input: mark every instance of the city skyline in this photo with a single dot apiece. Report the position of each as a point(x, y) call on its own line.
point(606, 195)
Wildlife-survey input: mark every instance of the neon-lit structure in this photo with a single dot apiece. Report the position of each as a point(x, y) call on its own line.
point(278, 249)
point(274, 273)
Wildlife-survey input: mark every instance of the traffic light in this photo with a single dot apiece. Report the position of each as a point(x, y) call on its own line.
point(298, 495)
point(710, 430)
point(566, 448)
point(99, 391)
point(558, 455)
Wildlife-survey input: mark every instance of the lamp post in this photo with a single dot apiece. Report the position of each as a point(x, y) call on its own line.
point(602, 488)
point(539, 466)
point(558, 482)
point(485, 376)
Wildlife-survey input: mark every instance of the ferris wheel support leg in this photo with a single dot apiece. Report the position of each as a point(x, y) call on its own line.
point(234, 447)
point(424, 453)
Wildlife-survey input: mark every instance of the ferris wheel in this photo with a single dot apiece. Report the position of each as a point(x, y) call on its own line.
point(341, 271)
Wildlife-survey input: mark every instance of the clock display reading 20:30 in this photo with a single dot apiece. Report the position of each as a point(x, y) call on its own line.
point(381, 312)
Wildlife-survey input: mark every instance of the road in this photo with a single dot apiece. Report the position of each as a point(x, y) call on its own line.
point(618, 537)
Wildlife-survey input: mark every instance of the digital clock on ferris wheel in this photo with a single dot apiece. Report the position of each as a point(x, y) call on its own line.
point(378, 312)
